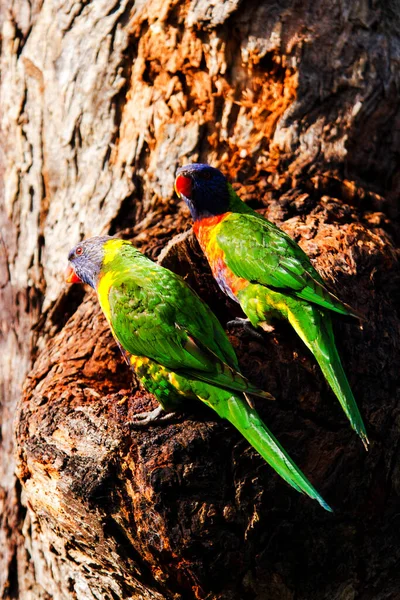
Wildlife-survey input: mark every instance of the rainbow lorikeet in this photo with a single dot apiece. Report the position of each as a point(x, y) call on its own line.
point(261, 267)
point(175, 343)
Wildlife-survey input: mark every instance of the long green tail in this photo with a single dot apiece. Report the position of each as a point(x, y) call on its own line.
point(315, 329)
point(250, 425)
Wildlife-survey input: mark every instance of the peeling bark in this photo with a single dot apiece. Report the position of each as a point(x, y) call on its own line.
point(101, 101)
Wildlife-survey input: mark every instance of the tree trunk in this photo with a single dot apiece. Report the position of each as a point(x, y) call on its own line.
point(298, 104)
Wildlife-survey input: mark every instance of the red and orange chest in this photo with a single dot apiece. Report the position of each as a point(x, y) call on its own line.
point(206, 232)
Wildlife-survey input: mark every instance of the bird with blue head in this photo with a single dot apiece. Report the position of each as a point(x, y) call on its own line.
point(175, 344)
point(266, 272)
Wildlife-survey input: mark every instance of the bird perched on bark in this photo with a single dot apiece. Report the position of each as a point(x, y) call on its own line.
point(175, 343)
point(261, 267)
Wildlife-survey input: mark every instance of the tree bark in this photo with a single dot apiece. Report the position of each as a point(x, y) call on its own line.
point(298, 104)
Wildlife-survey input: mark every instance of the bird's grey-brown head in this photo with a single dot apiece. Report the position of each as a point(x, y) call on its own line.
point(204, 189)
point(85, 261)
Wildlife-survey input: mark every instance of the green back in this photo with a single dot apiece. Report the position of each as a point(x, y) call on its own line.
point(258, 251)
point(154, 313)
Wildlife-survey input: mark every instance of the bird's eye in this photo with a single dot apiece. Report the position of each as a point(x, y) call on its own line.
point(206, 175)
point(79, 251)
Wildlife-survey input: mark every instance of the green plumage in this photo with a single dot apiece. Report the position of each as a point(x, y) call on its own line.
point(284, 284)
point(263, 253)
point(155, 314)
point(179, 349)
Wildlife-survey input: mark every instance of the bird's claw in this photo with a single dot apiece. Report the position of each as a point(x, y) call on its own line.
point(247, 327)
point(158, 415)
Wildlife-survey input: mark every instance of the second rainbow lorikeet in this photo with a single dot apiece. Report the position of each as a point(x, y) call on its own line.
point(261, 267)
point(175, 343)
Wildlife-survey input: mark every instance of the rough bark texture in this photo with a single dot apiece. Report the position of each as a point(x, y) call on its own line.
point(101, 101)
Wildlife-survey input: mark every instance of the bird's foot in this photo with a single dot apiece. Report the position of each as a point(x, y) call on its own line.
point(247, 327)
point(151, 417)
point(267, 327)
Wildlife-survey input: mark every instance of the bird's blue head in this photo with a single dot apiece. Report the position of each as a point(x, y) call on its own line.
point(204, 189)
point(85, 261)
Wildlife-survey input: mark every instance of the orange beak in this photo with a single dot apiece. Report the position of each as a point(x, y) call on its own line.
point(71, 276)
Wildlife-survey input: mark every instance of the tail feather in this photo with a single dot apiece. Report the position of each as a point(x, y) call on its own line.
point(319, 294)
point(229, 379)
point(315, 329)
point(250, 425)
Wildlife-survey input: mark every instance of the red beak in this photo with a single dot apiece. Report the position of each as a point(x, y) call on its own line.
point(71, 276)
point(183, 186)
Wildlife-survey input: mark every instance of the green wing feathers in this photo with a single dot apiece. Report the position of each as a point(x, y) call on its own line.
point(264, 254)
point(225, 376)
point(164, 320)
